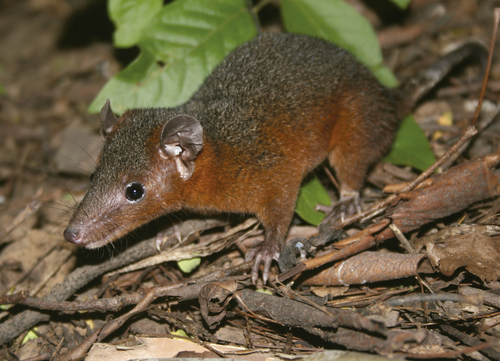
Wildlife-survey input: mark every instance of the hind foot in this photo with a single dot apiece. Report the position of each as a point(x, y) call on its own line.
point(263, 254)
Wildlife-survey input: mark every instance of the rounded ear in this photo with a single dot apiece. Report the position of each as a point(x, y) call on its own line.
point(108, 118)
point(182, 139)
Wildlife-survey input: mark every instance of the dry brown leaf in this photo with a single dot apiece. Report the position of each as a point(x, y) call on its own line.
point(448, 193)
point(478, 253)
point(147, 348)
point(213, 299)
point(332, 292)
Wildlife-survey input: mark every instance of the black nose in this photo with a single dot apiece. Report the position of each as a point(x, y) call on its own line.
point(72, 235)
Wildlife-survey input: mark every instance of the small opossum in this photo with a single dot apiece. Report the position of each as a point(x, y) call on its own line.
point(273, 110)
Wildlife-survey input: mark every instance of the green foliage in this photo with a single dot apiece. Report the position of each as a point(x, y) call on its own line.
point(189, 265)
point(180, 46)
point(31, 335)
point(264, 290)
point(403, 4)
point(179, 332)
point(182, 42)
point(411, 146)
point(340, 23)
point(130, 18)
point(311, 194)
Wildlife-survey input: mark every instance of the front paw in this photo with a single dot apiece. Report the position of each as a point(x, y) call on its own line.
point(263, 254)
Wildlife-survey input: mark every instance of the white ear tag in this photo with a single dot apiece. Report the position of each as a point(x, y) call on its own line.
point(182, 139)
point(181, 168)
point(174, 152)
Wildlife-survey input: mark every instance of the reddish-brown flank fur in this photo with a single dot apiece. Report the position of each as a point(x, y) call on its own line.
point(336, 128)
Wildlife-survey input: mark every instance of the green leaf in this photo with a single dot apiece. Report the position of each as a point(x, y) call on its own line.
point(403, 4)
point(385, 76)
point(179, 332)
point(311, 194)
point(340, 23)
point(180, 47)
point(188, 265)
point(31, 335)
point(130, 18)
point(411, 146)
point(264, 290)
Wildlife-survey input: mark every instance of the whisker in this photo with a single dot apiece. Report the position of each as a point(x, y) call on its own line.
point(65, 187)
point(60, 207)
point(79, 146)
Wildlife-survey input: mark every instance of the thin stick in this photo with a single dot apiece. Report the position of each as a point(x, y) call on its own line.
point(488, 67)
point(401, 237)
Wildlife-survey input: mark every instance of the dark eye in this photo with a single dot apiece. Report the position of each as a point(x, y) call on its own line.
point(134, 191)
point(92, 177)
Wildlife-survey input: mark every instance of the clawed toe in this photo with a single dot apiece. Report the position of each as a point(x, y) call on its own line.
point(262, 255)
